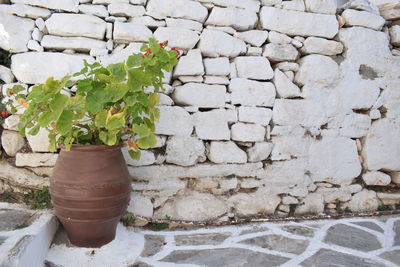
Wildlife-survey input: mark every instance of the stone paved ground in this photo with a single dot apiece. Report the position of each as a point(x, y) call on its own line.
point(345, 242)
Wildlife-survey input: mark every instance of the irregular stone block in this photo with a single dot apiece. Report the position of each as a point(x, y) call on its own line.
point(140, 205)
point(252, 93)
point(22, 10)
point(376, 178)
point(285, 88)
point(319, 25)
point(15, 32)
point(226, 152)
point(317, 69)
point(161, 9)
point(96, 10)
point(184, 23)
point(321, 6)
point(257, 68)
point(190, 65)
point(185, 150)
point(214, 43)
point(80, 25)
point(247, 132)
point(131, 32)
point(35, 159)
point(355, 125)
point(259, 152)
point(253, 37)
point(12, 142)
point(75, 43)
point(239, 19)
point(217, 66)
point(256, 115)
point(174, 121)
point(126, 10)
point(395, 35)
point(363, 18)
point(280, 52)
point(213, 125)
point(200, 95)
point(315, 45)
point(177, 37)
point(35, 67)
point(66, 5)
point(313, 203)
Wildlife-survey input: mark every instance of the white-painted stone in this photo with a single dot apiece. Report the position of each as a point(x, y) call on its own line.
point(257, 68)
point(35, 159)
point(256, 115)
point(96, 10)
point(288, 66)
point(252, 5)
point(213, 125)
point(244, 132)
point(365, 200)
point(296, 5)
point(184, 23)
point(259, 152)
point(34, 67)
point(191, 79)
point(313, 203)
point(148, 21)
point(289, 200)
point(395, 35)
point(285, 88)
point(140, 205)
point(253, 37)
point(321, 6)
point(239, 19)
point(315, 45)
point(262, 202)
point(126, 32)
point(125, 10)
point(66, 5)
point(317, 69)
point(6, 75)
point(226, 29)
point(254, 51)
point(190, 65)
point(249, 183)
point(165, 100)
point(11, 123)
point(355, 125)
point(39, 142)
point(177, 37)
point(280, 52)
point(334, 160)
point(15, 32)
point(106, 2)
point(376, 178)
point(22, 10)
point(215, 43)
point(298, 23)
point(34, 46)
point(389, 198)
point(382, 146)
point(161, 9)
point(226, 152)
point(278, 38)
point(122, 55)
point(146, 158)
point(306, 113)
point(363, 18)
point(76, 43)
point(185, 150)
point(217, 66)
point(193, 206)
point(200, 95)
point(174, 121)
point(216, 80)
point(332, 195)
point(11, 142)
point(81, 25)
point(252, 93)
point(37, 34)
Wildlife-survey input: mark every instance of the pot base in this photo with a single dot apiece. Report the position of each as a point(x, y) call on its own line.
point(90, 234)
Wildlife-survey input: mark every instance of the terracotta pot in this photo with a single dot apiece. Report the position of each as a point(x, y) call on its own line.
point(90, 190)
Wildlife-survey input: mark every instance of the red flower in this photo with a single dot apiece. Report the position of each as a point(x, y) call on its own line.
point(10, 92)
point(177, 51)
point(165, 243)
point(4, 113)
point(148, 51)
point(164, 44)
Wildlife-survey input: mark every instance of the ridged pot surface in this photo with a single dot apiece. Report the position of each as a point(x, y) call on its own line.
point(90, 190)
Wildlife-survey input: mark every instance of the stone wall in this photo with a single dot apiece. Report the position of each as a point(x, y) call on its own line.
point(276, 107)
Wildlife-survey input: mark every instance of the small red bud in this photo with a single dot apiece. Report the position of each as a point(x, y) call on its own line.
point(165, 243)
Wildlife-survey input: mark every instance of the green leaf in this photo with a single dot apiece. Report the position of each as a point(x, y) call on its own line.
point(147, 141)
point(45, 118)
point(52, 142)
point(58, 104)
point(101, 118)
point(130, 100)
point(154, 99)
point(141, 129)
point(115, 121)
point(85, 85)
point(134, 155)
point(77, 104)
point(64, 123)
point(116, 91)
point(108, 138)
point(118, 72)
point(52, 85)
point(34, 130)
point(133, 61)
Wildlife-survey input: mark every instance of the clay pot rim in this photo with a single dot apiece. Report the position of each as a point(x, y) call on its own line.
point(91, 148)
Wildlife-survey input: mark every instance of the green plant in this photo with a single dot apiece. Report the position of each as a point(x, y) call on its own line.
point(3, 112)
point(39, 199)
point(5, 58)
point(384, 207)
point(20, 226)
point(347, 210)
point(128, 220)
point(105, 105)
point(157, 226)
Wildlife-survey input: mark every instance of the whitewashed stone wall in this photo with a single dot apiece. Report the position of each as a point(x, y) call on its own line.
point(275, 106)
